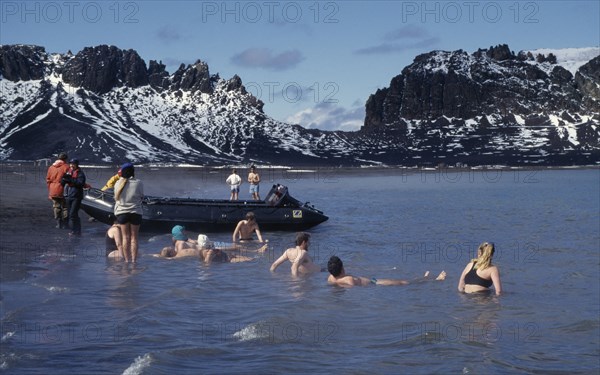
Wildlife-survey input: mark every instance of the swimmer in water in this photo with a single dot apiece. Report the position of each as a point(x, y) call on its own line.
point(114, 242)
point(244, 229)
point(298, 256)
point(480, 274)
point(203, 249)
point(338, 276)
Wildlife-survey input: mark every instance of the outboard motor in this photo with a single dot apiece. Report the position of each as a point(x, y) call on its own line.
point(276, 195)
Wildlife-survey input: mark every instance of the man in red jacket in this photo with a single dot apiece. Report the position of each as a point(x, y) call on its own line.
point(56, 190)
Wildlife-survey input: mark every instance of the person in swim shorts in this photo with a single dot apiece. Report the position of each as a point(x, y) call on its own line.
point(234, 181)
point(254, 181)
point(338, 276)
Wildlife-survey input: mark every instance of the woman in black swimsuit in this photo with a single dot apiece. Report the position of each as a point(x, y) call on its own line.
point(479, 275)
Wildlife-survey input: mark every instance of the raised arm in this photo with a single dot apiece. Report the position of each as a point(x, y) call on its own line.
point(111, 182)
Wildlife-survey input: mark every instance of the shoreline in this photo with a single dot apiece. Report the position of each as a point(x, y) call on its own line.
point(45, 163)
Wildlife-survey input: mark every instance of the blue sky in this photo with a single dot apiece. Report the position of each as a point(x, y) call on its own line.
point(311, 62)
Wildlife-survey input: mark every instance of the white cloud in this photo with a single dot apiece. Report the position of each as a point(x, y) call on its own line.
point(329, 116)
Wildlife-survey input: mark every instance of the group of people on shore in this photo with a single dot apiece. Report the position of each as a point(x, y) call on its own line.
point(66, 182)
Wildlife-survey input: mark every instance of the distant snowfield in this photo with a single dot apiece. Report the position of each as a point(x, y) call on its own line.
point(570, 58)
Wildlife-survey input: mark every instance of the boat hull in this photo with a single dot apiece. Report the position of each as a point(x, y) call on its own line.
point(208, 215)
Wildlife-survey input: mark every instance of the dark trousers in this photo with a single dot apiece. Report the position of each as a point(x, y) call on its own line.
point(74, 205)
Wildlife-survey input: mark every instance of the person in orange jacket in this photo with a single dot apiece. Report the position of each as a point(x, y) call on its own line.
point(56, 190)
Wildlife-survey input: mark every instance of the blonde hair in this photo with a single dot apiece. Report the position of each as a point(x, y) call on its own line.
point(485, 252)
point(119, 189)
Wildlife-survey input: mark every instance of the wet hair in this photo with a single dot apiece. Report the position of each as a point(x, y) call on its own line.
point(250, 216)
point(335, 266)
point(168, 252)
point(485, 252)
point(301, 237)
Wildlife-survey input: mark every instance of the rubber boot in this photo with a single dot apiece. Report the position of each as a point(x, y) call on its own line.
point(58, 223)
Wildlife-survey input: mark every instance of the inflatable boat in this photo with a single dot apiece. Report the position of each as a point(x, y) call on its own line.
point(279, 211)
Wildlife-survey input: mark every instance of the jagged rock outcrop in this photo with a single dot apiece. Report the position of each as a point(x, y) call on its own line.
point(102, 68)
point(587, 81)
point(456, 84)
point(22, 64)
point(193, 77)
point(490, 107)
point(158, 77)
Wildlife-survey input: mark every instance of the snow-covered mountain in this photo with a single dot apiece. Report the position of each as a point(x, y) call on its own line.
point(491, 107)
point(569, 58)
point(105, 105)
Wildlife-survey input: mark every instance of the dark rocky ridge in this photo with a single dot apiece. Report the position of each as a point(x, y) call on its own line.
point(488, 107)
point(456, 84)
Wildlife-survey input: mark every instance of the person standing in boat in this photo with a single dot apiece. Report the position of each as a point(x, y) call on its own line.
point(480, 274)
point(129, 193)
point(338, 276)
point(56, 190)
point(254, 181)
point(244, 229)
point(234, 181)
point(302, 263)
point(74, 183)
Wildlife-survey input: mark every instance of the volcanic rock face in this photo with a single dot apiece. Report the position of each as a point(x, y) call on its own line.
point(490, 107)
point(24, 64)
point(456, 84)
point(100, 69)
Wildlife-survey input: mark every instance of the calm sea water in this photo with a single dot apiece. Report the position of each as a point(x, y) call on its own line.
point(76, 312)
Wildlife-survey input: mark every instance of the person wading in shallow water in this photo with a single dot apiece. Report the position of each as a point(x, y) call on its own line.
point(56, 190)
point(302, 263)
point(74, 182)
point(480, 274)
point(244, 229)
point(129, 193)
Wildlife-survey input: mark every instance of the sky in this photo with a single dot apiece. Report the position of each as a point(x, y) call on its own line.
point(313, 63)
